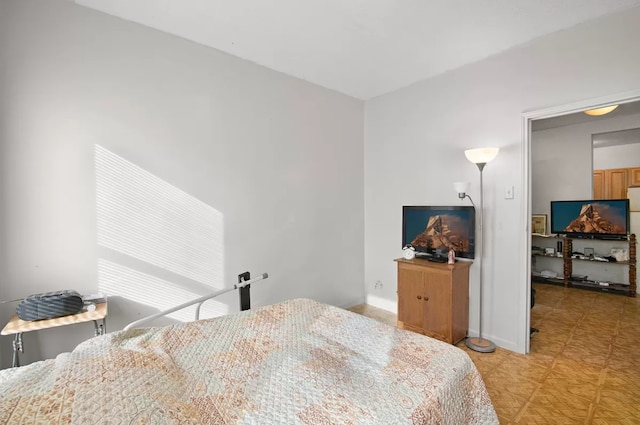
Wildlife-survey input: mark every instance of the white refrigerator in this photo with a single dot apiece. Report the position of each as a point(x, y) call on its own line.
point(633, 193)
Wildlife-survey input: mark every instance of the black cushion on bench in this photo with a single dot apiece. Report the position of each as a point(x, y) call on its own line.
point(49, 305)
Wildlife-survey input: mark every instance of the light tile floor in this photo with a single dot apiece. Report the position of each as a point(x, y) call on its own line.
point(584, 364)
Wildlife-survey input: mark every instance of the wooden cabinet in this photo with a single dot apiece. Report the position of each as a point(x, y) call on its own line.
point(433, 298)
point(598, 184)
point(614, 182)
point(634, 177)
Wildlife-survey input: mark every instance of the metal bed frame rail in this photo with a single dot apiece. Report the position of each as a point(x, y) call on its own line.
point(244, 282)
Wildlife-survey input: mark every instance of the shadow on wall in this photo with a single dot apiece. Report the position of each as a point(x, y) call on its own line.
point(120, 308)
point(158, 246)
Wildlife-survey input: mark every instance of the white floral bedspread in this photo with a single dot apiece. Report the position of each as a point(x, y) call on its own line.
point(297, 362)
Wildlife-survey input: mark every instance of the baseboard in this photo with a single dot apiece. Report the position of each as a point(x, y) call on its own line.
point(499, 342)
point(353, 303)
point(390, 306)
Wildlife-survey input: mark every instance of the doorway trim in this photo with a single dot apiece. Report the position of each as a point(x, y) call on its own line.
point(527, 118)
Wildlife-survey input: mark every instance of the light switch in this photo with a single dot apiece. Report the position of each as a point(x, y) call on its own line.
point(508, 192)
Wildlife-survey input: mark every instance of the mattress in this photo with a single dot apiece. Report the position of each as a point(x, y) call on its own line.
point(296, 362)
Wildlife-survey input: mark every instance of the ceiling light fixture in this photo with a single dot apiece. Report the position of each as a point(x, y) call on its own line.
point(600, 111)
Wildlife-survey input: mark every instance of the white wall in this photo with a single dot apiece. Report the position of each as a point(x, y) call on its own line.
point(561, 167)
point(622, 156)
point(3, 176)
point(415, 137)
point(280, 159)
point(562, 160)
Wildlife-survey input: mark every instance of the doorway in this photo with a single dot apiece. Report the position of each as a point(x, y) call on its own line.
point(565, 113)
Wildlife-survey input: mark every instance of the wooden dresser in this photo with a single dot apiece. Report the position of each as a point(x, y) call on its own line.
point(433, 298)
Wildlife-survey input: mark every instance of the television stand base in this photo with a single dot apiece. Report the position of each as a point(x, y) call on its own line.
point(432, 257)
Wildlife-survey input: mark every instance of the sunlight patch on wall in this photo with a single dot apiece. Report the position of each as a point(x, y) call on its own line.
point(116, 279)
point(147, 219)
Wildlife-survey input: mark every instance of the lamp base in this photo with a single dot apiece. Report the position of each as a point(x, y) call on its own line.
point(480, 344)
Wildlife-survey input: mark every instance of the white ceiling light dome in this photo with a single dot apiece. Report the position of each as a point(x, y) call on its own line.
point(601, 111)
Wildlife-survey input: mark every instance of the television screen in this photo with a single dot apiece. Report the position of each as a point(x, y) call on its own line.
point(429, 228)
point(596, 218)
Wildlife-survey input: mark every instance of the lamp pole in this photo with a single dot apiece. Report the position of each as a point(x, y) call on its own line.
point(480, 157)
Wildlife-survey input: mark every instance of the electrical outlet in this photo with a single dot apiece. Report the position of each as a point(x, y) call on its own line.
point(508, 192)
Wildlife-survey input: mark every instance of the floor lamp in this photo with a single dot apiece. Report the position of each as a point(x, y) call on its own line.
point(480, 157)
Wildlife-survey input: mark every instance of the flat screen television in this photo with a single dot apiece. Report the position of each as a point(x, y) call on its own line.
point(433, 230)
point(597, 219)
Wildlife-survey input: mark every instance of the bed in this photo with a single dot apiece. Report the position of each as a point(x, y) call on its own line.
point(295, 362)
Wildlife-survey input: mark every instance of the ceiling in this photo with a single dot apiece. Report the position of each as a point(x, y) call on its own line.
point(363, 48)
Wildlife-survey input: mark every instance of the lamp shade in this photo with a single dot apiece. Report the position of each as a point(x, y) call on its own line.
point(481, 155)
point(461, 187)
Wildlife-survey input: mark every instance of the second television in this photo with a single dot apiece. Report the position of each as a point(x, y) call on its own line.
point(598, 219)
point(431, 228)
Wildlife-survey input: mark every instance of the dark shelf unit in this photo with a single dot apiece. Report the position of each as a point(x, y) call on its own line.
point(567, 262)
point(547, 280)
point(614, 288)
